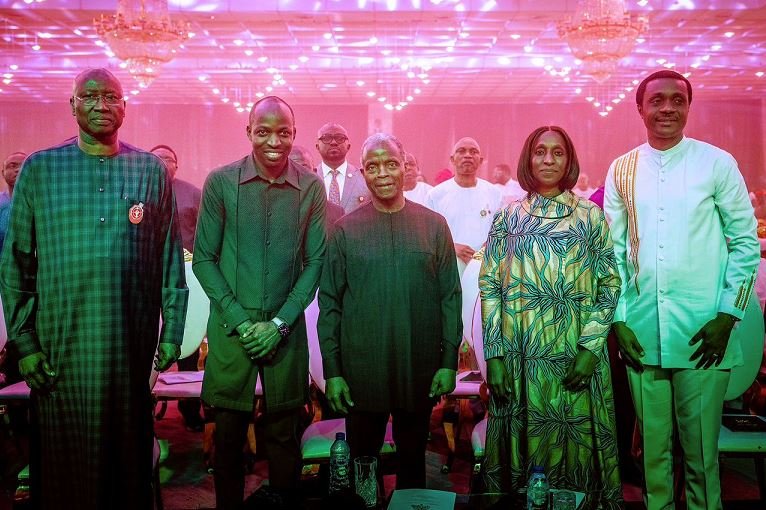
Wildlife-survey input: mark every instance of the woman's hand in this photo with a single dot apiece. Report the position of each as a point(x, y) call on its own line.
point(498, 380)
point(580, 371)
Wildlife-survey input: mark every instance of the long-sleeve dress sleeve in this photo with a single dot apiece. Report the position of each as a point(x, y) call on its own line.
point(597, 318)
point(332, 288)
point(451, 300)
point(175, 294)
point(18, 269)
point(617, 216)
point(490, 286)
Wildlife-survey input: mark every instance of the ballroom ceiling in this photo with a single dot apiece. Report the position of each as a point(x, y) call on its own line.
point(386, 51)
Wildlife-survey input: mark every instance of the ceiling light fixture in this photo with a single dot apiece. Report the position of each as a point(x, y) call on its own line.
point(142, 34)
point(600, 34)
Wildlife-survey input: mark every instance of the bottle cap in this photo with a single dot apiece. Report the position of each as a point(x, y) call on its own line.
point(340, 435)
point(538, 469)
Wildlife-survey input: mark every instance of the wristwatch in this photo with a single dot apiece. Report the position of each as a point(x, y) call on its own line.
point(282, 327)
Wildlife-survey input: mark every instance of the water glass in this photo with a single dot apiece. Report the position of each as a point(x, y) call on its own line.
point(564, 500)
point(366, 480)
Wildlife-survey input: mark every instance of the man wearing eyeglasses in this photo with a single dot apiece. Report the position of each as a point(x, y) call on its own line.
point(343, 182)
point(93, 256)
point(467, 202)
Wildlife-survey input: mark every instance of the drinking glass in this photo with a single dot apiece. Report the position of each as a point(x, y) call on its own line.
point(365, 479)
point(564, 500)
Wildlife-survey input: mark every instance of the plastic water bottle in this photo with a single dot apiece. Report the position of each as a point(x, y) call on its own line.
point(537, 490)
point(340, 459)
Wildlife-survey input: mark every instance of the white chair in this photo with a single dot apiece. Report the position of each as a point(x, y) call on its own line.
point(467, 385)
point(739, 436)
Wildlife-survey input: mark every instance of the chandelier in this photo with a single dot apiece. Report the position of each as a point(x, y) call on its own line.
point(142, 34)
point(600, 34)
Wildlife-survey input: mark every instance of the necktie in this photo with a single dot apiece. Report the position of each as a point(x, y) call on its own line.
point(334, 196)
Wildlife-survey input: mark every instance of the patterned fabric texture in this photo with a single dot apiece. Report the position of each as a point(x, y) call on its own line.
point(549, 287)
point(84, 285)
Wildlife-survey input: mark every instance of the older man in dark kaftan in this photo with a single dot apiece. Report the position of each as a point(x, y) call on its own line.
point(389, 323)
point(92, 256)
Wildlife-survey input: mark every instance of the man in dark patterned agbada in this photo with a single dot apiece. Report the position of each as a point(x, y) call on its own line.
point(93, 255)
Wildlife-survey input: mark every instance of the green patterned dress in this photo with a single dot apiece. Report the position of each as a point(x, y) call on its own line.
point(549, 286)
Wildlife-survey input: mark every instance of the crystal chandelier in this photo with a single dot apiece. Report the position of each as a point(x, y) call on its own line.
point(143, 35)
point(600, 34)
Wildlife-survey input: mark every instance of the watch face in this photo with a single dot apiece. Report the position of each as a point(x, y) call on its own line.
point(284, 329)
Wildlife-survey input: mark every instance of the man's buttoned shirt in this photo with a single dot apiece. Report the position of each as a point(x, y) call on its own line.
point(260, 243)
point(685, 203)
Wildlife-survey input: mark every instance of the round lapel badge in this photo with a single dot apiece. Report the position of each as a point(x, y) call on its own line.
point(136, 213)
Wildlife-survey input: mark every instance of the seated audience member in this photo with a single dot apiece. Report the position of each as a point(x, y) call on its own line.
point(389, 322)
point(548, 286)
point(414, 190)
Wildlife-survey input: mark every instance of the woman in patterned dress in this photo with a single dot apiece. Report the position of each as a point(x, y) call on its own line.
point(549, 287)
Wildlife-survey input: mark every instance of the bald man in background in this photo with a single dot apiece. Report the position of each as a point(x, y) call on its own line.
point(467, 202)
point(413, 189)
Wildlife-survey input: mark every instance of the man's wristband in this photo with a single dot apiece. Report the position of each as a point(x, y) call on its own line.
point(282, 327)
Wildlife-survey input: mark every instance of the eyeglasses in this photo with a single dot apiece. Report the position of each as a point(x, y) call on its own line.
point(329, 138)
point(108, 99)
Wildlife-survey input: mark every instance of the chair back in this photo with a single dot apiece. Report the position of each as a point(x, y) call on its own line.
point(478, 338)
point(315, 355)
point(469, 282)
point(197, 315)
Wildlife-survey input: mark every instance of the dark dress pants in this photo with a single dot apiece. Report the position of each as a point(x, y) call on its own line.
point(278, 434)
point(366, 432)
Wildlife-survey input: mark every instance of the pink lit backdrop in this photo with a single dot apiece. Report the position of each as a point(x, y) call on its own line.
point(207, 136)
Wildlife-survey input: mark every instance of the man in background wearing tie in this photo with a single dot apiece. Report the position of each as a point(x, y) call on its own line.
point(343, 182)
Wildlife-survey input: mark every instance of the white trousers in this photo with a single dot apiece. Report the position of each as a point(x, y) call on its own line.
point(693, 400)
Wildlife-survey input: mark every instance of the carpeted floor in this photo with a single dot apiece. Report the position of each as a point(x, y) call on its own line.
point(186, 484)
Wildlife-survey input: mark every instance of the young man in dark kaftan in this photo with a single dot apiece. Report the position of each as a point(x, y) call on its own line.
point(93, 255)
point(389, 324)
